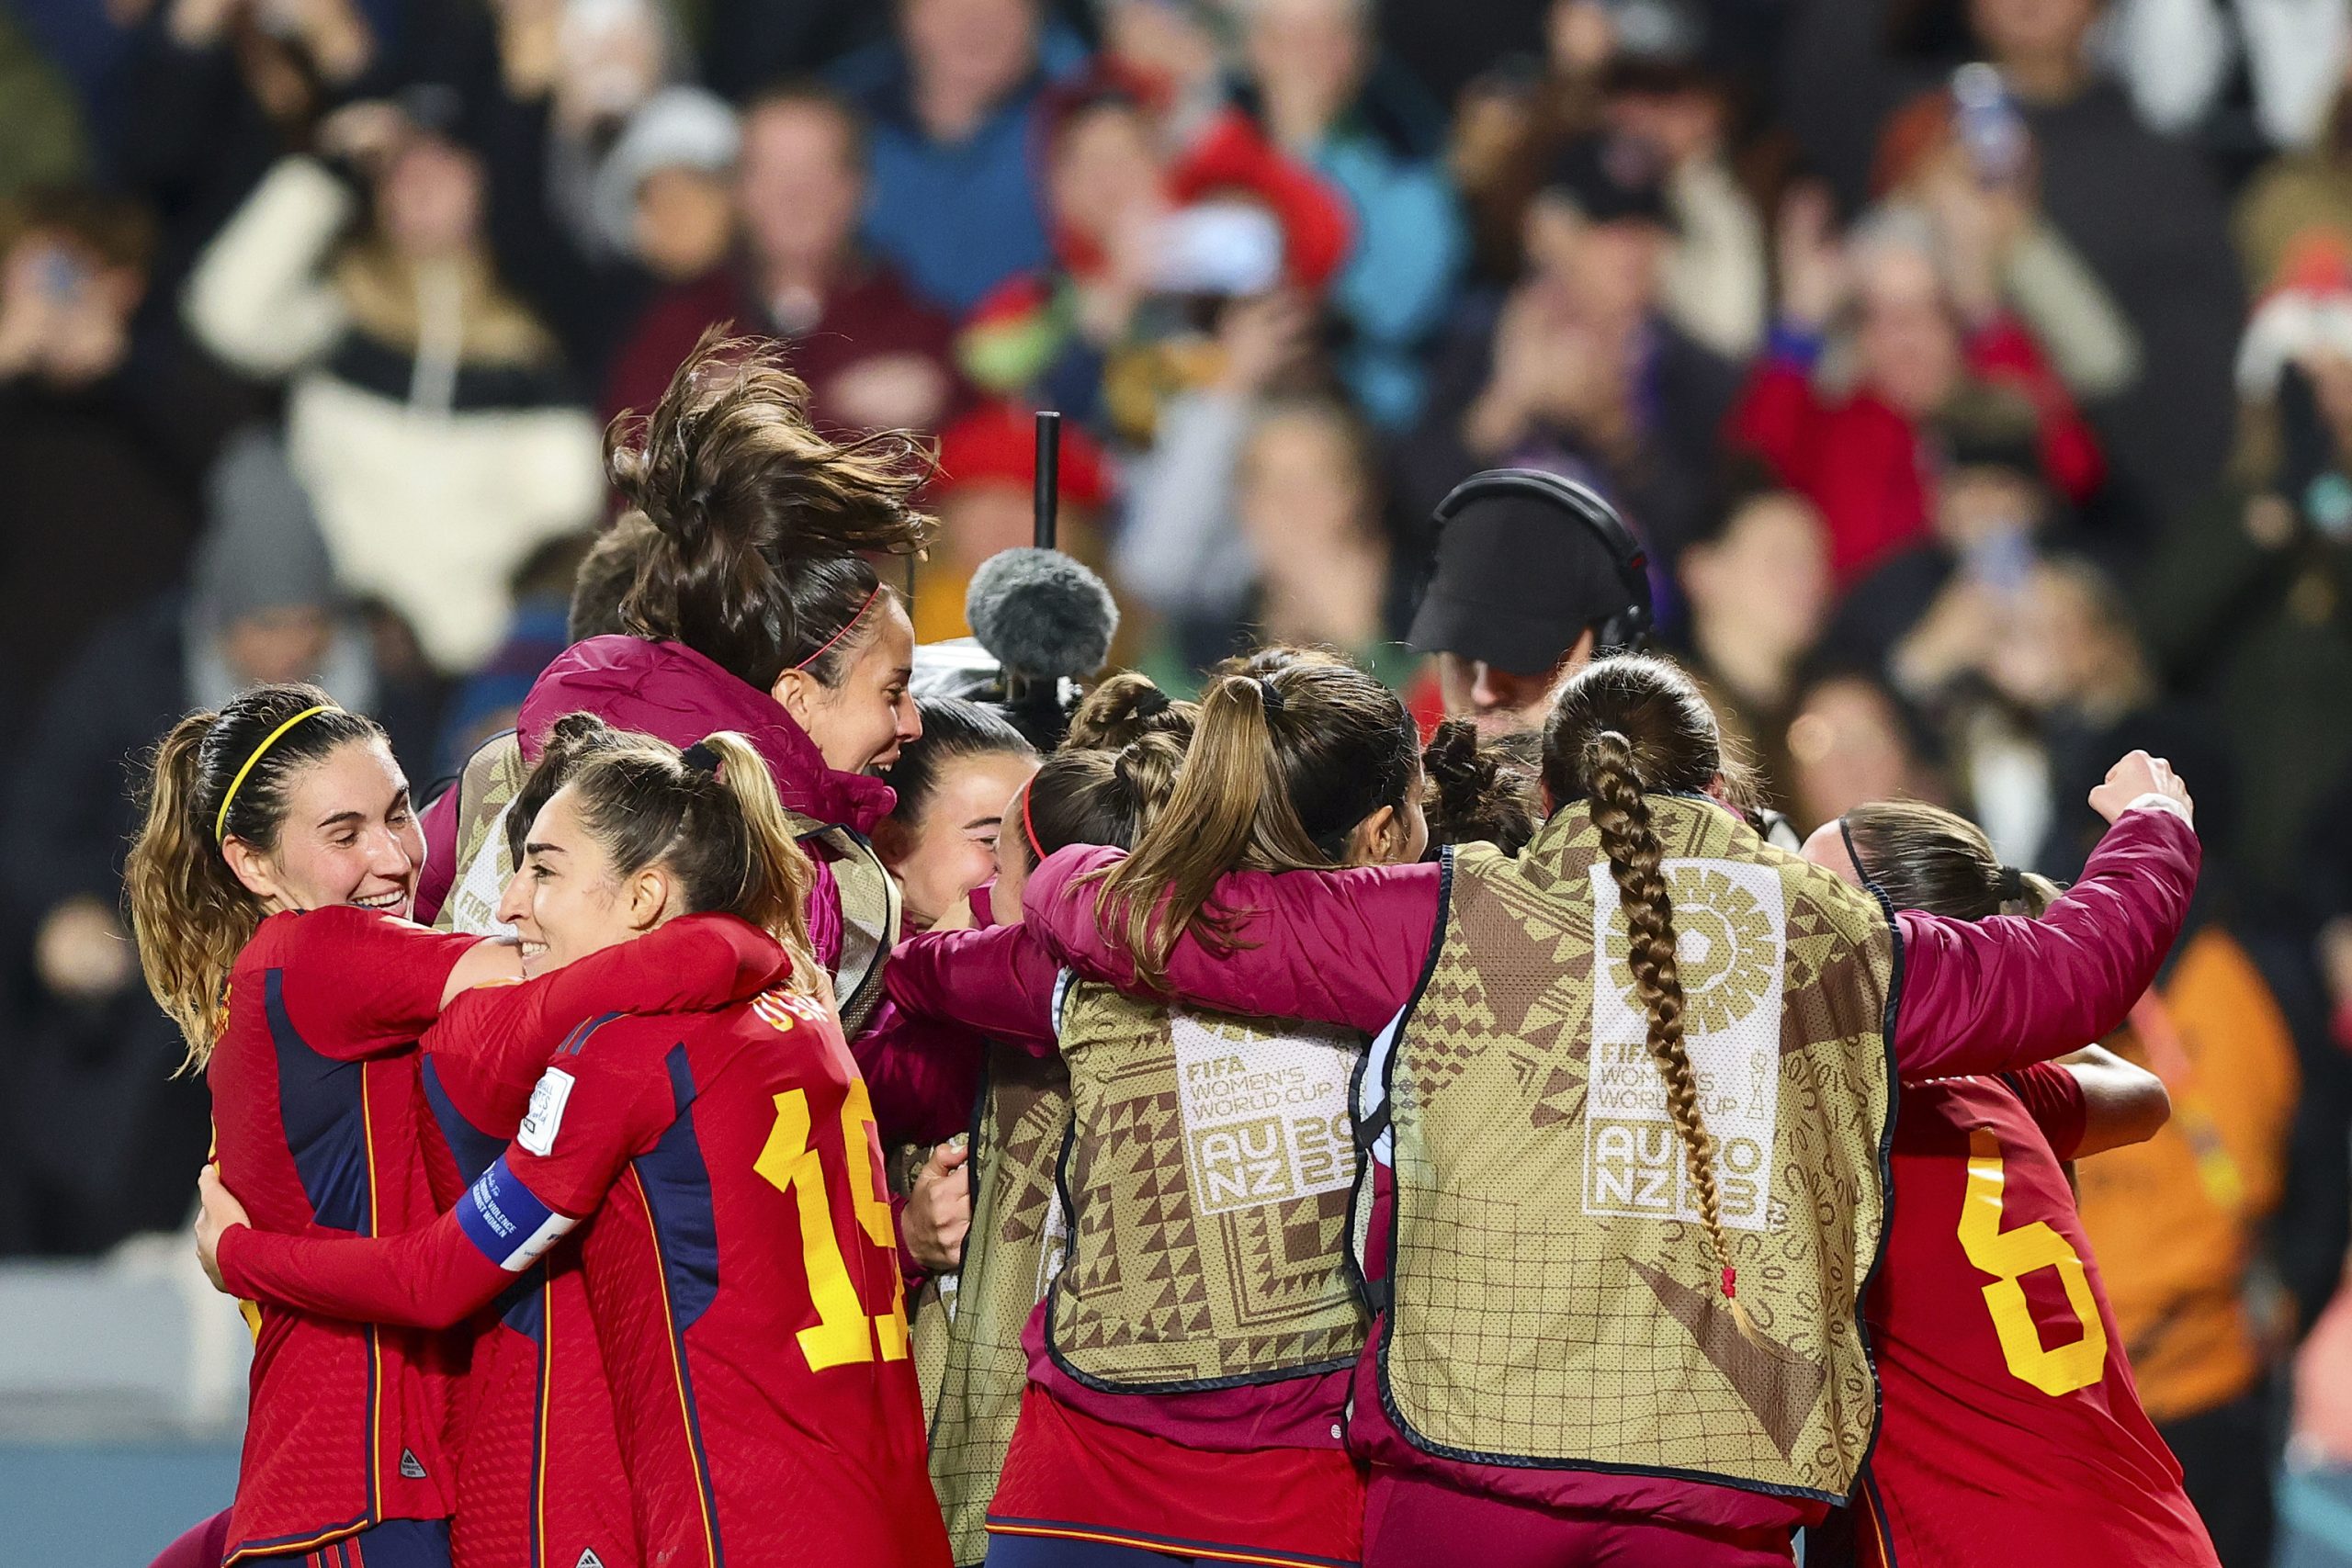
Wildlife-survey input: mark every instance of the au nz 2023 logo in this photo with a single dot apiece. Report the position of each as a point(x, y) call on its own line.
point(1265, 1119)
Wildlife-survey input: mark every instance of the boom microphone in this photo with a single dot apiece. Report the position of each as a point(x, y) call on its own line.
point(1042, 622)
point(1043, 615)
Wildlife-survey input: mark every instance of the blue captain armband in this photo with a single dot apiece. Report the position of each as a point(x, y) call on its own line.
point(505, 1223)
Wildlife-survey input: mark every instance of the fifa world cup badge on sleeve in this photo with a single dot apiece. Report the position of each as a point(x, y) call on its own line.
point(549, 1097)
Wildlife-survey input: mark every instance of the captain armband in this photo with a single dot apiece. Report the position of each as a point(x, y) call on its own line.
point(506, 1224)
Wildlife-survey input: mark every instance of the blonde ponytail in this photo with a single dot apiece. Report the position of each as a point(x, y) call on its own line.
point(1204, 831)
point(778, 876)
point(189, 913)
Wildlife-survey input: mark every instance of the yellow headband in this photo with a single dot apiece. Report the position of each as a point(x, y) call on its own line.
point(220, 823)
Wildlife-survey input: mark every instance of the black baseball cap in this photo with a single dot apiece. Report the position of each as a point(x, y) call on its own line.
point(1519, 578)
point(1612, 179)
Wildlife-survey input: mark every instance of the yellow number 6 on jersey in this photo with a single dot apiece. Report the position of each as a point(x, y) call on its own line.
point(2009, 1255)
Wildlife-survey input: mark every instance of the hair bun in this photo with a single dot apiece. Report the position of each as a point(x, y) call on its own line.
point(1122, 709)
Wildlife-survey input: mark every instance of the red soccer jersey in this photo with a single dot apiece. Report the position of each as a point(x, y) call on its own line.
point(540, 1481)
point(742, 1270)
point(2012, 1435)
point(315, 1115)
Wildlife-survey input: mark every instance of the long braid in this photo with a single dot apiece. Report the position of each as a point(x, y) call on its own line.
point(1622, 814)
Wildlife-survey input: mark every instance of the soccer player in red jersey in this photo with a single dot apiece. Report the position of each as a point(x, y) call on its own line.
point(268, 885)
point(742, 1268)
point(2012, 1436)
point(305, 1024)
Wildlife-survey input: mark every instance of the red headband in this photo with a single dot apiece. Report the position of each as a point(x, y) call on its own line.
point(837, 637)
point(1028, 827)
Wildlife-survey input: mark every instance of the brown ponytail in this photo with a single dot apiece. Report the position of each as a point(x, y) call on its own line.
point(1206, 830)
point(772, 883)
point(189, 915)
point(1122, 709)
point(1923, 857)
point(1282, 768)
point(216, 776)
point(1621, 813)
point(1620, 729)
point(760, 519)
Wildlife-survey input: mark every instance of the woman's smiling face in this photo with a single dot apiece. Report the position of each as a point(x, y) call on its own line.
point(567, 900)
point(349, 836)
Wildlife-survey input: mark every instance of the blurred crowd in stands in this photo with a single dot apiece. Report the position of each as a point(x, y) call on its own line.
point(1977, 373)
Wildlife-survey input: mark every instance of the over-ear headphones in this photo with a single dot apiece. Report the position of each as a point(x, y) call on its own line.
point(1623, 631)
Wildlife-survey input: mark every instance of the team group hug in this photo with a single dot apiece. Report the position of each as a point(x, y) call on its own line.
point(1232, 1130)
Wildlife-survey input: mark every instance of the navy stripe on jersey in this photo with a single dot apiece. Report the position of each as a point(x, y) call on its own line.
point(270, 1545)
point(678, 1188)
point(323, 1104)
point(676, 1185)
point(326, 1130)
point(575, 1041)
point(472, 1150)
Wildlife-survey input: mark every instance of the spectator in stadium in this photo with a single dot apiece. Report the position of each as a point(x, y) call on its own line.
point(2299, 196)
point(1915, 349)
point(587, 73)
point(589, 231)
point(1524, 588)
point(1852, 740)
point(662, 195)
point(1924, 616)
point(1178, 548)
point(2146, 213)
point(2317, 1477)
point(428, 414)
point(1513, 117)
point(1973, 190)
point(2177, 1222)
point(2141, 208)
point(1283, 502)
point(873, 355)
point(104, 1133)
point(1577, 369)
point(985, 495)
point(100, 456)
point(1154, 251)
point(951, 108)
point(1714, 286)
point(1324, 94)
point(2067, 674)
point(209, 100)
point(2245, 598)
point(1757, 590)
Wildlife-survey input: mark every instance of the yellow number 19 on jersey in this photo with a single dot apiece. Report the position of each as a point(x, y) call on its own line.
point(844, 1332)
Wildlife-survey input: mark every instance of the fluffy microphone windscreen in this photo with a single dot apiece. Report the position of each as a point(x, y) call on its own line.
point(1041, 613)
